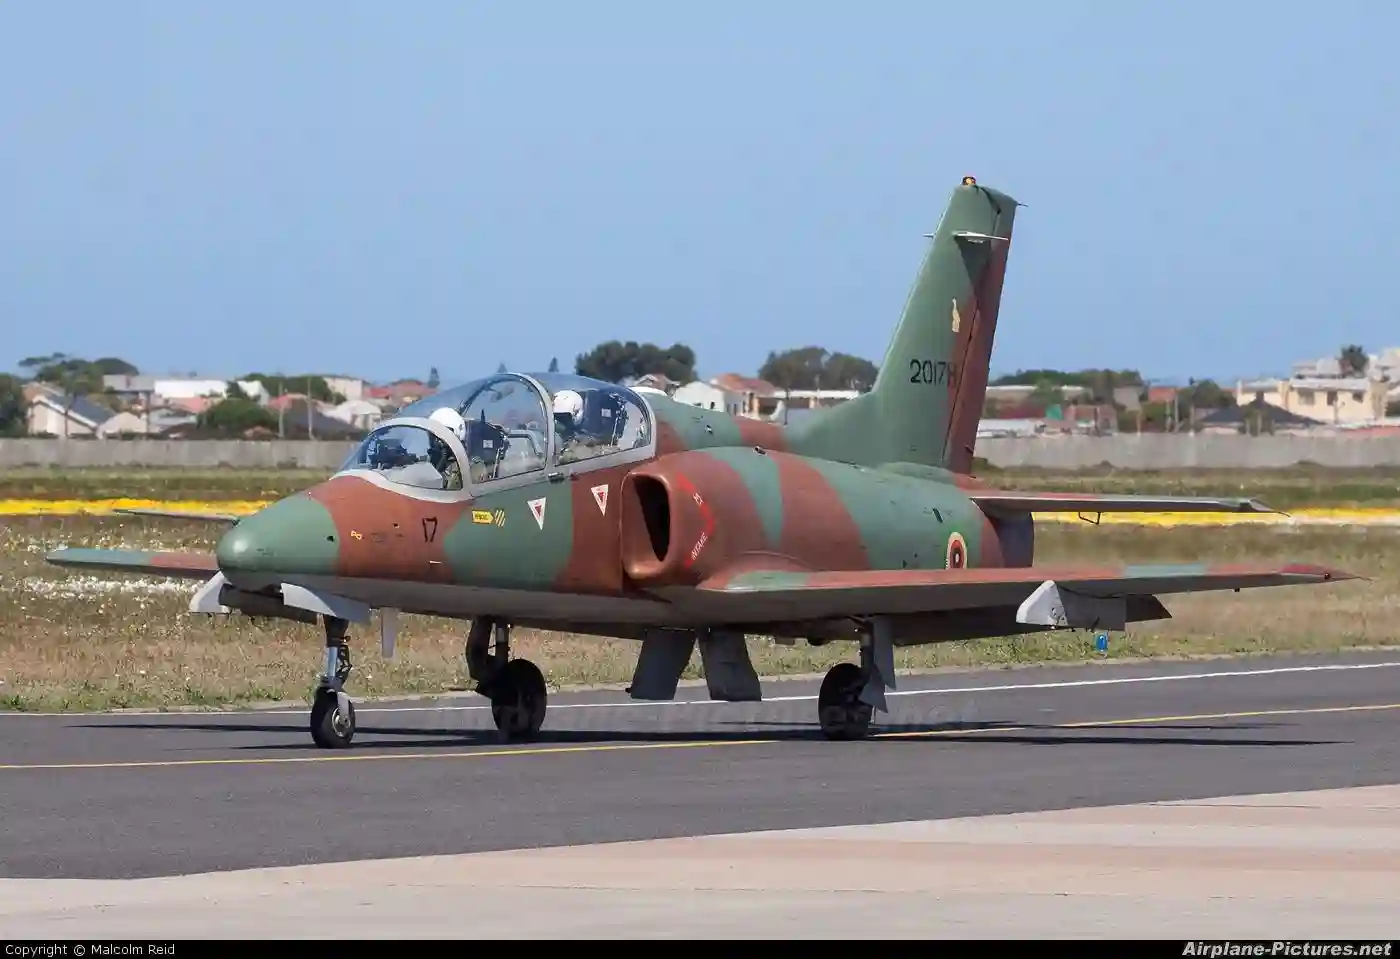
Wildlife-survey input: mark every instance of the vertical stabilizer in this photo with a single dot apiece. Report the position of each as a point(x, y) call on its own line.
point(928, 398)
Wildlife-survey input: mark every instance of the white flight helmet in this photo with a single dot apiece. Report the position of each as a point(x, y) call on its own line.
point(568, 403)
point(451, 419)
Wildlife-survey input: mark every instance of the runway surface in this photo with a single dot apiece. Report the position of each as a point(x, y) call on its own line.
point(126, 796)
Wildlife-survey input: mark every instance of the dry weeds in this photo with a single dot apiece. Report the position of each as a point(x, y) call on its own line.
point(1303, 485)
point(72, 641)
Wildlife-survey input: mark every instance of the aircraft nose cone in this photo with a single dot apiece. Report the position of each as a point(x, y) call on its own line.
point(294, 535)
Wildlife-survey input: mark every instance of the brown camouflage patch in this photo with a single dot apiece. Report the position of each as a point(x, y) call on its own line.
point(974, 352)
point(818, 531)
point(762, 434)
point(668, 441)
point(595, 559)
point(384, 535)
point(194, 562)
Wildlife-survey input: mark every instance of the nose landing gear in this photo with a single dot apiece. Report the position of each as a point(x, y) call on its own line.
point(332, 712)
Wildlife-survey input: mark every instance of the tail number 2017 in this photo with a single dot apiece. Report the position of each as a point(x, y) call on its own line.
point(935, 372)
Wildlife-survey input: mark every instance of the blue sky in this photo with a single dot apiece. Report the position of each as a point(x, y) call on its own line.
point(376, 189)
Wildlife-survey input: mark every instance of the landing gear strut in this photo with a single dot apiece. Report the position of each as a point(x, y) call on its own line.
point(516, 687)
point(332, 713)
point(840, 711)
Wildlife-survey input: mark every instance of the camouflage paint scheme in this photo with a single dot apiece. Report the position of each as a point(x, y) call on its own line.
point(718, 522)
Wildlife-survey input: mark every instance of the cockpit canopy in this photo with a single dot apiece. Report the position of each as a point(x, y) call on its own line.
point(506, 425)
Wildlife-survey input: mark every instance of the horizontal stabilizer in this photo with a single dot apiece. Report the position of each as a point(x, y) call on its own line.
point(1014, 502)
point(178, 514)
point(754, 596)
point(138, 561)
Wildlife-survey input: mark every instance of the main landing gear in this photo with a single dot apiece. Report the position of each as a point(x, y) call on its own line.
point(842, 713)
point(516, 687)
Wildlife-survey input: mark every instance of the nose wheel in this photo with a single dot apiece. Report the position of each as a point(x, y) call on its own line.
point(332, 713)
point(332, 725)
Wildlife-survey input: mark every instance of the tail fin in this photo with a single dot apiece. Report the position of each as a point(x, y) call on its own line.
point(927, 400)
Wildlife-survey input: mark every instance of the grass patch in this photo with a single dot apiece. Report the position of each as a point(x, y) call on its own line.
point(1286, 489)
point(167, 484)
point(78, 642)
point(1300, 486)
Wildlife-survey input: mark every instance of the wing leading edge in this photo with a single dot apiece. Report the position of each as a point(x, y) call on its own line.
point(1014, 502)
point(230, 518)
point(772, 595)
point(139, 562)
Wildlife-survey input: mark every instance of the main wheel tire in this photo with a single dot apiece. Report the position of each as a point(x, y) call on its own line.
point(839, 710)
point(519, 699)
point(330, 729)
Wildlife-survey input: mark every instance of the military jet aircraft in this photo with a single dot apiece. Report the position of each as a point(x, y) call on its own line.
point(567, 503)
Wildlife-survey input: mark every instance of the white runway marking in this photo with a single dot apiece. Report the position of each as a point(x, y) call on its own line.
point(633, 704)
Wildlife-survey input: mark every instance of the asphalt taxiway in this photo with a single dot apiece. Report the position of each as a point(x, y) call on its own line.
point(142, 796)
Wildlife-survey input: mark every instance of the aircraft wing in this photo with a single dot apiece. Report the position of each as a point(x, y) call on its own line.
point(759, 595)
point(1014, 502)
point(141, 562)
point(178, 514)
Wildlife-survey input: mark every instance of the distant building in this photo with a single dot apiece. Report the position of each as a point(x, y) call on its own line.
point(708, 396)
point(361, 414)
point(654, 381)
point(399, 393)
point(350, 387)
point(52, 414)
point(1327, 400)
point(757, 398)
point(188, 389)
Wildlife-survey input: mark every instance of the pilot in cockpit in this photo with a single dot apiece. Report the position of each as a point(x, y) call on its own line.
point(486, 445)
point(586, 427)
point(440, 455)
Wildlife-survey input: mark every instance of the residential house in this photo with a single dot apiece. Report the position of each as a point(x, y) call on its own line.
point(52, 414)
point(188, 389)
point(130, 391)
point(1031, 426)
point(361, 414)
point(194, 405)
point(1256, 416)
point(1010, 399)
point(167, 420)
point(400, 393)
point(708, 396)
point(152, 422)
point(350, 387)
point(758, 399)
point(654, 381)
point(815, 399)
point(303, 420)
point(125, 423)
point(1128, 397)
point(1330, 400)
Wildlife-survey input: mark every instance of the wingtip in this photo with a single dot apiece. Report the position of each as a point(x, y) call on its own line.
point(1326, 574)
point(1253, 505)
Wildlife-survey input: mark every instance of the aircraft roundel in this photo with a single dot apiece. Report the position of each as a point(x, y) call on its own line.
point(957, 551)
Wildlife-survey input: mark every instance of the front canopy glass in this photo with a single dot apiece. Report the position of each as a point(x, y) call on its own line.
point(409, 456)
point(506, 425)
